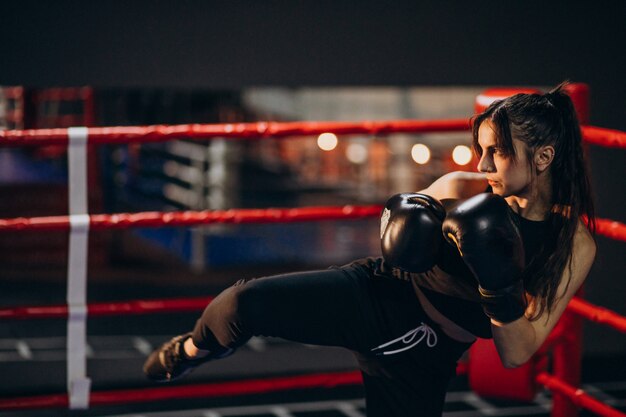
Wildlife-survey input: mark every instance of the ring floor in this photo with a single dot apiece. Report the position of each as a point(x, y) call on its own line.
point(37, 366)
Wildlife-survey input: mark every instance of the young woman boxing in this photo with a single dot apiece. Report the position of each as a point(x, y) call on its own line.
point(458, 263)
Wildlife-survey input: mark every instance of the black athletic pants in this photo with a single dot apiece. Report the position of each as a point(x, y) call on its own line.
point(405, 359)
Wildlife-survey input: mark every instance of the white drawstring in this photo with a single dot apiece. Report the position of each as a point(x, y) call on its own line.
point(409, 339)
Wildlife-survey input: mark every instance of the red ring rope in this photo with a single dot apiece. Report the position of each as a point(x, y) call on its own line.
point(597, 314)
point(174, 305)
point(611, 229)
point(604, 137)
point(577, 396)
point(578, 306)
point(125, 134)
point(608, 228)
point(212, 390)
point(259, 130)
point(188, 218)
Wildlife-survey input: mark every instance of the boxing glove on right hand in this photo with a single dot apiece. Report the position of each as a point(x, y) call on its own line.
point(410, 231)
point(491, 246)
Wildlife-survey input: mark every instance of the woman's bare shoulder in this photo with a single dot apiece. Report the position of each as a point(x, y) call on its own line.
point(457, 184)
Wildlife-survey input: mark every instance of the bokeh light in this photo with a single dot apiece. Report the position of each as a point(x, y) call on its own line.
point(420, 153)
point(327, 141)
point(462, 155)
point(356, 153)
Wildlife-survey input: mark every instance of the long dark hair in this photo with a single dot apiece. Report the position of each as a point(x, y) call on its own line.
point(538, 120)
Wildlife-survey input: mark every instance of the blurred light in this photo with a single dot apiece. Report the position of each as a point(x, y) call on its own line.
point(327, 141)
point(420, 153)
point(356, 153)
point(462, 155)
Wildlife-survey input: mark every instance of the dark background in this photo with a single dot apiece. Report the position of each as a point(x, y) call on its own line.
point(234, 44)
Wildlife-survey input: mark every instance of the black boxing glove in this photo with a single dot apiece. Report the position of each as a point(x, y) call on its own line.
point(410, 231)
point(490, 244)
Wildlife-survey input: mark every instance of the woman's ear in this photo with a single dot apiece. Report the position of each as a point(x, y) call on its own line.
point(543, 157)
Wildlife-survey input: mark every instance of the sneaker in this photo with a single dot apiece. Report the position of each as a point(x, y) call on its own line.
point(169, 362)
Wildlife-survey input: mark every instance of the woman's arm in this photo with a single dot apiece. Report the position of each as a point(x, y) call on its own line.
point(457, 185)
point(517, 341)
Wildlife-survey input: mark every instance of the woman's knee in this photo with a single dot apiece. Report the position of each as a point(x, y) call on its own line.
point(236, 303)
point(222, 321)
point(248, 300)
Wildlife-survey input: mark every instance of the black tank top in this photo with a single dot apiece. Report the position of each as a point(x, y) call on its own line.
point(452, 289)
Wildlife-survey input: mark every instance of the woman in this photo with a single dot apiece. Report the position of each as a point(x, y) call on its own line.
point(409, 321)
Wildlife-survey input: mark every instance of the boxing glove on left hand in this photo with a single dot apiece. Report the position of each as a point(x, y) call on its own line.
point(410, 231)
point(491, 246)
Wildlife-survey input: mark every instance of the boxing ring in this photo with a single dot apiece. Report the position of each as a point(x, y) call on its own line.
point(556, 366)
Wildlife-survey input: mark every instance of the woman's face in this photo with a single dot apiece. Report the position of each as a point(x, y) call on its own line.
point(507, 175)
